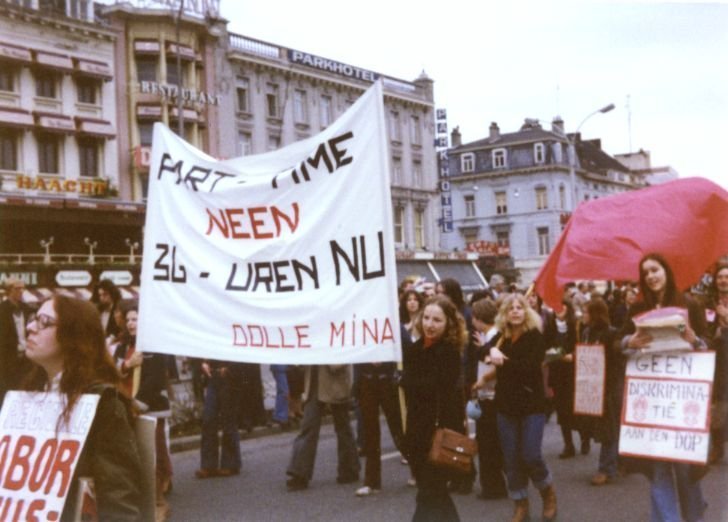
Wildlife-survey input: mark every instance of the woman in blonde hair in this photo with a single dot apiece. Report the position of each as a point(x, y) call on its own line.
point(431, 380)
point(521, 404)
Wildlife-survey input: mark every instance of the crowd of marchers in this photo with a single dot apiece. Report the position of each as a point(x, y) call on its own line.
point(498, 356)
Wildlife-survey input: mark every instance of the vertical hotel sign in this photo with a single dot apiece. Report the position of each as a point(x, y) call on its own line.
point(443, 170)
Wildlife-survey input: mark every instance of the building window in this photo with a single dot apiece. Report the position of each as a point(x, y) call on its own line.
point(88, 156)
point(271, 100)
point(146, 131)
point(503, 239)
point(539, 153)
point(415, 131)
point(500, 203)
point(399, 224)
point(48, 152)
point(88, 90)
point(45, 85)
point(470, 206)
point(396, 171)
point(300, 112)
point(7, 78)
point(245, 144)
point(417, 180)
point(467, 162)
point(325, 109)
point(274, 141)
point(499, 158)
point(242, 92)
point(395, 132)
point(80, 10)
point(544, 246)
point(174, 75)
point(146, 69)
point(8, 150)
point(542, 202)
point(419, 228)
point(562, 197)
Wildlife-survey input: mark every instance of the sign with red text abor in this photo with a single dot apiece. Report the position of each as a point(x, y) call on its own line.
point(282, 257)
point(38, 455)
point(590, 374)
point(666, 406)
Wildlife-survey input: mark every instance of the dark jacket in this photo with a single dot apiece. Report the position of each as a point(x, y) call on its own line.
point(607, 427)
point(111, 458)
point(519, 388)
point(153, 378)
point(430, 379)
point(10, 362)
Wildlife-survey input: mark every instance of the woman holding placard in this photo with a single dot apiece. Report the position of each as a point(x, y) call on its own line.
point(598, 331)
point(521, 404)
point(674, 487)
point(431, 380)
point(66, 344)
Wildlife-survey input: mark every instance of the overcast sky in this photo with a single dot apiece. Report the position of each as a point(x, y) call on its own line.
point(505, 61)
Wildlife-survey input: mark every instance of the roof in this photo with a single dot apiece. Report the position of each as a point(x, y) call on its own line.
point(592, 157)
point(533, 134)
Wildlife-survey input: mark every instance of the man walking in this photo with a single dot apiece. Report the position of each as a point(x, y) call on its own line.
point(329, 384)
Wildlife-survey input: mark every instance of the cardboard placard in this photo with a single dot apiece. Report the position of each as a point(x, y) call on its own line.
point(666, 406)
point(590, 376)
point(38, 455)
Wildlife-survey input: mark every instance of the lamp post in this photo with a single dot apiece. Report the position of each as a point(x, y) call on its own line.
point(46, 243)
point(180, 102)
point(132, 247)
point(91, 245)
point(572, 159)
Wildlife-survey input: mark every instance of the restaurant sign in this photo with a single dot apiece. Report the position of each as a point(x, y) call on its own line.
point(90, 187)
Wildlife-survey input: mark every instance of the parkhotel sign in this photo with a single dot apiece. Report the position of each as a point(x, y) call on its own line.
point(167, 91)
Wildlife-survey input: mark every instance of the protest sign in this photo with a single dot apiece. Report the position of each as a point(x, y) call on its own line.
point(283, 257)
point(590, 375)
point(666, 406)
point(38, 455)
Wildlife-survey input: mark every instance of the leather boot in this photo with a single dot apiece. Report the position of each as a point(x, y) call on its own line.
point(521, 512)
point(549, 503)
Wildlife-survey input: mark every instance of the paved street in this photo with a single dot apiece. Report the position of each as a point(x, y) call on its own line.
point(259, 492)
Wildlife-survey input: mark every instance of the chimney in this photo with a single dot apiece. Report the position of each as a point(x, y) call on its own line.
point(557, 125)
point(494, 131)
point(455, 137)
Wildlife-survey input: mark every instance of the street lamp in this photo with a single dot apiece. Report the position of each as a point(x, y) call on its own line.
point(91, 245)
point(180, 102)
point(572, 160)
point(46, 243)
point(132, 247)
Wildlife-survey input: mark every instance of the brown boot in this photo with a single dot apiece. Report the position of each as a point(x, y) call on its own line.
point(549, 503)
point(521, 512)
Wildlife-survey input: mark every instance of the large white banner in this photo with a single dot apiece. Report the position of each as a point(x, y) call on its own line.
point(39, 454)
point(283, 257)
point(666, 406)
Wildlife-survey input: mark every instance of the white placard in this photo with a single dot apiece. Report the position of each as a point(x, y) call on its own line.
point(39, 455)
point(283, 257)
point(590, 375)
point(666, 406)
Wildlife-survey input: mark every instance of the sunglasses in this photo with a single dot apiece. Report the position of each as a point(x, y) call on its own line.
point(43, 321)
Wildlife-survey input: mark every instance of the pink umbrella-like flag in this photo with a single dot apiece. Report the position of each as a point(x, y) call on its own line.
point(686, 220)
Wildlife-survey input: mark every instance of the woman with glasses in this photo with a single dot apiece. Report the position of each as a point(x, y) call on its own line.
point(67, 348)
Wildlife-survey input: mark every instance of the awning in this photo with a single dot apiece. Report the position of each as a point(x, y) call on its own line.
point(464, 272)
point(54, 122)
point(15, 53)
point(149, 111)
point(92, 127)
point(185, 52)
point(94, 69)
point(33, 296)
point(16, 118)
point(189, 114)
point(53, 60)
point(146, 47)
point(414, 268)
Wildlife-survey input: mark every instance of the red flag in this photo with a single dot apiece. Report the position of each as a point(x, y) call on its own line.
point(685, 220)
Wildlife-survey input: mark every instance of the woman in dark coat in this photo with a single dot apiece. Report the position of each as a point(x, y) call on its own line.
point(598, 331)
point(674, 486)
point(66, 345)
point(431, 380)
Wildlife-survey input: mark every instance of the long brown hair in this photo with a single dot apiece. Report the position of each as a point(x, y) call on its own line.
point(672, 296)
point(86, 361)
point(456, 333)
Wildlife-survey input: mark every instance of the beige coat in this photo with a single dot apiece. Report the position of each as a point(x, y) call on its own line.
point(334, 383)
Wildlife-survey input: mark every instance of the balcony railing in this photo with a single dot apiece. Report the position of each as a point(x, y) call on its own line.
point(68, 259)
point(252, 46)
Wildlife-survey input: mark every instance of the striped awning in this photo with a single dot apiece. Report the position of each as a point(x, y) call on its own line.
point(37, 295)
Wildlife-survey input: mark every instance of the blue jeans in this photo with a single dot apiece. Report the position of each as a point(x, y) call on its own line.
point(608, 458)
point(671, 483)
point(280, 412)
point(521, 439)
point(221, 404)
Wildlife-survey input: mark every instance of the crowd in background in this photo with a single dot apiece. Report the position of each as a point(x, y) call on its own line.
point(499, 356)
